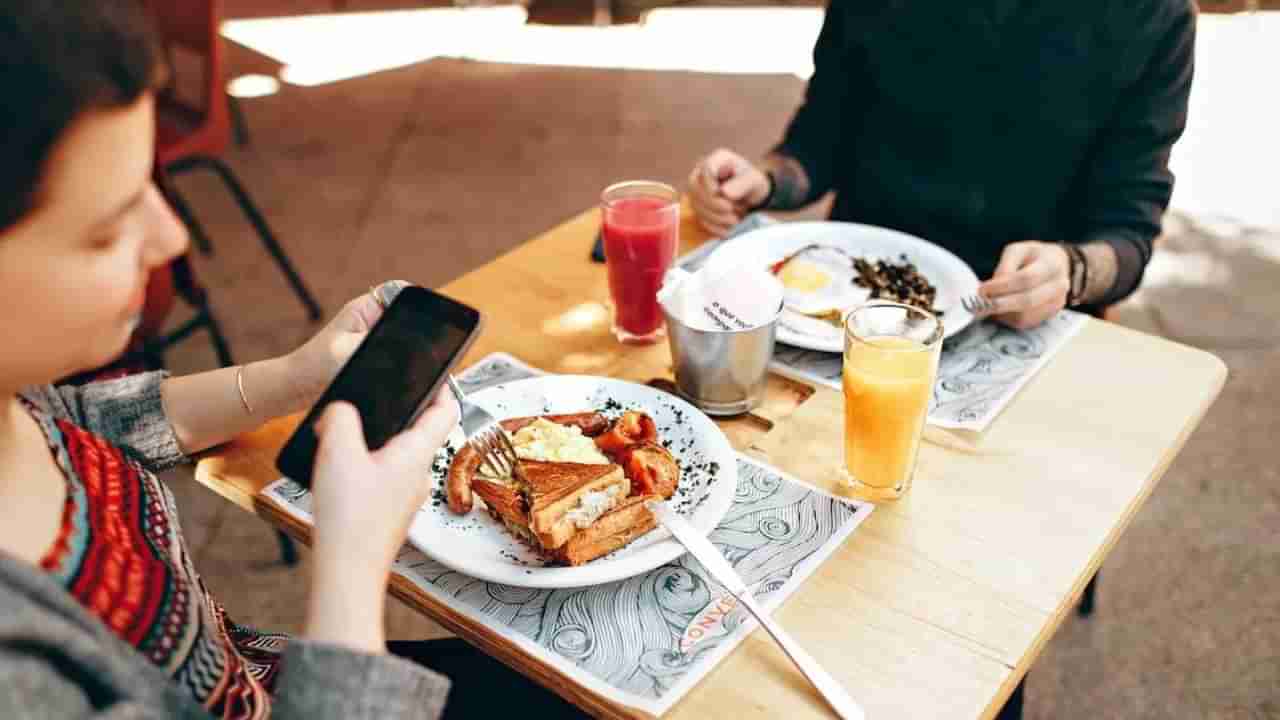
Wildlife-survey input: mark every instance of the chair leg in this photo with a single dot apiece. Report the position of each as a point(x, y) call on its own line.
point(257, 220)
point(1012, 709)
point(188, 218)
point(239, 127)
point(288, 551)
point(219, 340)
point(1085, 608)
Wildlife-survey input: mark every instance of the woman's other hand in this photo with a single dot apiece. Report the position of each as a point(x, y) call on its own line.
point(314, 365)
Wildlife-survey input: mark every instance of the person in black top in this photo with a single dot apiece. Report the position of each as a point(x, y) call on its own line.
point(1031, 139)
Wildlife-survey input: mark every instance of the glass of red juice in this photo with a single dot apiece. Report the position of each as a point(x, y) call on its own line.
point(641, 227)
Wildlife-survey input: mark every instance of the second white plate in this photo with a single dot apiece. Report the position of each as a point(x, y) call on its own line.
point(763, 247)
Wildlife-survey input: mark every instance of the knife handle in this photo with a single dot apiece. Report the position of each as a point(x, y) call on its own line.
point(846, 707)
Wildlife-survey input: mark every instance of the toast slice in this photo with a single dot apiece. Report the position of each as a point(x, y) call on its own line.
point(614, 529)
point(504, 499)
point(564, 498)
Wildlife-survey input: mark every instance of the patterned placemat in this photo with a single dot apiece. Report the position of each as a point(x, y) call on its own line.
point(981, 370)
point(646, 641)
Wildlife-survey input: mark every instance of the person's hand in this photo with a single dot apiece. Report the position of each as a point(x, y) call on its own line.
point(1030, 284)
point(363, 503)
point(723, 188)
point(314, 365)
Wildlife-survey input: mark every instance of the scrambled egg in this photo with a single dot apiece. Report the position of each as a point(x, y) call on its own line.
point(551, 442)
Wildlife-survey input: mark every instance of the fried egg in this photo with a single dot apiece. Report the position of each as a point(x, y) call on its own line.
point(819, 282)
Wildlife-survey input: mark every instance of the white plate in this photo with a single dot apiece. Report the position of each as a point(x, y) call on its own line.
point(476, 545)
point(766, 246)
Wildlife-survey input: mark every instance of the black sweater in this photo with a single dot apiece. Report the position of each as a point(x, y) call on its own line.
point(977, 124)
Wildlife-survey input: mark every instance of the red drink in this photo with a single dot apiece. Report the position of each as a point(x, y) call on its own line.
point(641, 233)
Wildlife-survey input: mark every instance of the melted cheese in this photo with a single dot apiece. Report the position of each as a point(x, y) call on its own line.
point(552, 442)
point(594, 504)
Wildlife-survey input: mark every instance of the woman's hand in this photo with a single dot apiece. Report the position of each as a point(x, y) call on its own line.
point(1030, 285)
point(723, 188)
point(314, 365)
point(363, 505)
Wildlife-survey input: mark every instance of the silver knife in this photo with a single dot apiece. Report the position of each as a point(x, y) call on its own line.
point(704, 552)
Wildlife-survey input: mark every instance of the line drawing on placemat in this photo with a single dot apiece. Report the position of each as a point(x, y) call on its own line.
point(635, 641)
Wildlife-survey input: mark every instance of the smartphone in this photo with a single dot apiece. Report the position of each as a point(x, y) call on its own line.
point(393, 375)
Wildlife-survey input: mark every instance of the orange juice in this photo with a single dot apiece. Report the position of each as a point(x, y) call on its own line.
point(888, 381)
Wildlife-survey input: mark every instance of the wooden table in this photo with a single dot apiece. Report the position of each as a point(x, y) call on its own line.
point(938, 605)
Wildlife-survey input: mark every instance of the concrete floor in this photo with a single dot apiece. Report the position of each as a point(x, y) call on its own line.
point(428, 170)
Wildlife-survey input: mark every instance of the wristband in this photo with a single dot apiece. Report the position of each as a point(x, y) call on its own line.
point(768, 198)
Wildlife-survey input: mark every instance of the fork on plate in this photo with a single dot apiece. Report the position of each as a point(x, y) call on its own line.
point(485, 435)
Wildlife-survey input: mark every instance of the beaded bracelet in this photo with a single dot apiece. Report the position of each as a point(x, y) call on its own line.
point(1076, 260)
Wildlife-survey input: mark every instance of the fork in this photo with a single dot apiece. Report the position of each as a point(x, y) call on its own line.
point(978, 305)
point(485, 435)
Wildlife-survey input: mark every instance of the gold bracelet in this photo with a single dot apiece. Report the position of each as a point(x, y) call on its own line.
point(244, 399)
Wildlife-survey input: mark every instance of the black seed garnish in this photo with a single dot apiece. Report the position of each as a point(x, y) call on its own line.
point(896, 281)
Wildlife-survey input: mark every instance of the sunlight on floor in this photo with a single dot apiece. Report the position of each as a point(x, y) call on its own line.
point(1187, 269)
point(1228, 162)
point(318, 49)
point(253, 86)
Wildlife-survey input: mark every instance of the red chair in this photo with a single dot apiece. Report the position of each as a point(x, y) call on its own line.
point(189, 137)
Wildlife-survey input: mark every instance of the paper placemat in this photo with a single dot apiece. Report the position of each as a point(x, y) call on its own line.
point(980, 372)
point(646, 641)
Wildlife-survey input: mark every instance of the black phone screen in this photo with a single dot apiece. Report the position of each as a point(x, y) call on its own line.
point(392, 374)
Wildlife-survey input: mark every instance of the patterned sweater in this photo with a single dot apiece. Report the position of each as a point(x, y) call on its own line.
point(121, 555)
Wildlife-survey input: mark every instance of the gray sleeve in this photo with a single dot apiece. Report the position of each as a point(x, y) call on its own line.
point(319, 681)
point(33, 688)
point(127, 412)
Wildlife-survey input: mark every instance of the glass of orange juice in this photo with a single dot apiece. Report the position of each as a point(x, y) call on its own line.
point(890, 362)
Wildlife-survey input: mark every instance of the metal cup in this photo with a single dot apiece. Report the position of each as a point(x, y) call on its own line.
point(722, 372)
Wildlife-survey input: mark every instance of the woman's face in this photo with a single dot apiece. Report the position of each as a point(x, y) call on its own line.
point(73, 271)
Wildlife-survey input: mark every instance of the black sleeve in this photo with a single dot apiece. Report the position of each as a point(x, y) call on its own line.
point(813, 136)
point(1127, 182)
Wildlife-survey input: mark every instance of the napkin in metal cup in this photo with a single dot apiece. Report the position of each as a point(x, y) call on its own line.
point(721, 328)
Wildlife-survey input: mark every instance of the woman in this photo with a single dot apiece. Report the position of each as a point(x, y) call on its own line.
point(101, 611)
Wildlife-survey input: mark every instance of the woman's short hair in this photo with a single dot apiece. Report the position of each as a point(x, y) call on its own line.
point(58, 59)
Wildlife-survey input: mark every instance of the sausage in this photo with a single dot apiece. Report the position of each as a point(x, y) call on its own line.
point(651, 468)
point(590, 423)
point(467, 461)
point(632, 428)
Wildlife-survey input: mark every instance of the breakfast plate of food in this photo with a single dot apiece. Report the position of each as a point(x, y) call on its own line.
point(591, 451)
point(829, 268)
